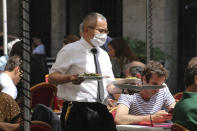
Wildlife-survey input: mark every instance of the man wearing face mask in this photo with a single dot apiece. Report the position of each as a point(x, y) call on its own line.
point(84, 107)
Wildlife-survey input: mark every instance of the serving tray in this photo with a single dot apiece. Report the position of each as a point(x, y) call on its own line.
point(134, 85)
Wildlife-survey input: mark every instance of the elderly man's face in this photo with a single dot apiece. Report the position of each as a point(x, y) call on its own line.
point(98, 26)
point(154, 80)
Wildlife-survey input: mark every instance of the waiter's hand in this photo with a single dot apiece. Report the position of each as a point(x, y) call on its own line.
point(75, 79)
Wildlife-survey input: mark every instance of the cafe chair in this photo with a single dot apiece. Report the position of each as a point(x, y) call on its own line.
point(43, 93)
point(178, 127)
point(178, 96)
point(37, 126)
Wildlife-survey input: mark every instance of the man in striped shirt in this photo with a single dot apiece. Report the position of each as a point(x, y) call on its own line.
point(147, 104)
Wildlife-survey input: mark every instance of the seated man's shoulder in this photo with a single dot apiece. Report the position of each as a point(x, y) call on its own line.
point(126, 98)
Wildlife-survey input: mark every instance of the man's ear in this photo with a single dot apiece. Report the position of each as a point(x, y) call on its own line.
point(17, 69)
point(85, 30)
point(195, 79)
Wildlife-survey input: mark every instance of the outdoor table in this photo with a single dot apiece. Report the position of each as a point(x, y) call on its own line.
point(141, 128)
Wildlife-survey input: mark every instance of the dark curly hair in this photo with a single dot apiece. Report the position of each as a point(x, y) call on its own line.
point(154, 67)
point(190, 72)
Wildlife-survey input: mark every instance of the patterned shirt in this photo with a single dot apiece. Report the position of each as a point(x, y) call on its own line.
point(138, 106)
point(8, 109)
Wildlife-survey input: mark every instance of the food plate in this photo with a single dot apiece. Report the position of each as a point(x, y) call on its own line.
point(92, 76)
point(134, 85)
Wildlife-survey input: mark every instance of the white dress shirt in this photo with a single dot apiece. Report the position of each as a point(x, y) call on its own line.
point(8, 85)
point(77, 58)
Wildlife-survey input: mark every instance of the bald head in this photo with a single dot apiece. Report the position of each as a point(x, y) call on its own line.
point(133, 68)
point(192, 62)
point(137, 63)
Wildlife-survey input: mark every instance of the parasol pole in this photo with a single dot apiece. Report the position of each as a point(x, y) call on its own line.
point(5, 38)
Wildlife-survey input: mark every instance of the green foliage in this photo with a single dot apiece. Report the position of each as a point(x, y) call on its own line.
point(139, 48)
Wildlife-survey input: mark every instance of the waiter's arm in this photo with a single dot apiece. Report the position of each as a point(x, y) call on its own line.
point(59, 78)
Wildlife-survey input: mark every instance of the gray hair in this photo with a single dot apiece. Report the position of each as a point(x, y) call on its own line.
point(13, 62)
point(81, 28)
point(90, 17)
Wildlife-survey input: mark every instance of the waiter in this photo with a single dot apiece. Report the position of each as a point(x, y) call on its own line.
point(84, 107)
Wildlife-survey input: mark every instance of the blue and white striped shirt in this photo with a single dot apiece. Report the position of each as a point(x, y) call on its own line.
point(138, 106)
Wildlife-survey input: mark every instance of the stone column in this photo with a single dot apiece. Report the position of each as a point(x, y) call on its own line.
point(58, 25)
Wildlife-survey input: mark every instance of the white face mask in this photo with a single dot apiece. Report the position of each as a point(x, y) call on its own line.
point(99, 39)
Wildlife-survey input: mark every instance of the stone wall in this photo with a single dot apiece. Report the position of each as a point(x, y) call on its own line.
point(165, 22)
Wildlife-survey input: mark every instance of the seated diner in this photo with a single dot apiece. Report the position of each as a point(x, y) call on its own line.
point(146, 106)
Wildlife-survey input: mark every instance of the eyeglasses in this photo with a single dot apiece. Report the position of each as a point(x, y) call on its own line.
point(102, 31)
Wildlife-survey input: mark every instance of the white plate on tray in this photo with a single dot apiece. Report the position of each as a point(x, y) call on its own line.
point(129, 84)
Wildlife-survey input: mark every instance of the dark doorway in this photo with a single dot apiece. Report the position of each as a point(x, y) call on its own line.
point(40, 21)
point(111, 9)
point(187, 47)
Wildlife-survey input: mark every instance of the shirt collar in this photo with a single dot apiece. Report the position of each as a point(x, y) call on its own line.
point(87, 45)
